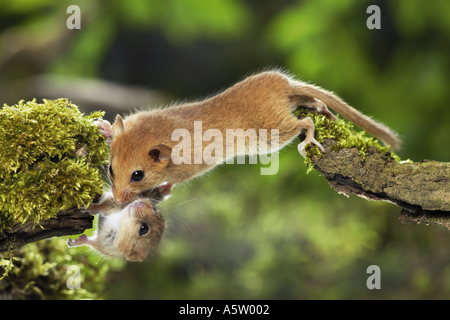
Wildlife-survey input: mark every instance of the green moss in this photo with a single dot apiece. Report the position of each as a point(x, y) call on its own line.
point(49, 159)
point(40, 270)
point(342, 132)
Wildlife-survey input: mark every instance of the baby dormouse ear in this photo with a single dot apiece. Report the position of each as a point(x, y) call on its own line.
point(118, 126)
point(160, 152)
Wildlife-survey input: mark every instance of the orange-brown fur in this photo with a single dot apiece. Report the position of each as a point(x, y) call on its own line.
point(262, 101)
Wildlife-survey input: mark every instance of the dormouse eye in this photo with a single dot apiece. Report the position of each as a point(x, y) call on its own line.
point(137, 176)
point(111, 171)
point(143, 229)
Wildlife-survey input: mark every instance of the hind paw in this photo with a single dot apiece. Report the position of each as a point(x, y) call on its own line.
point(302, 146)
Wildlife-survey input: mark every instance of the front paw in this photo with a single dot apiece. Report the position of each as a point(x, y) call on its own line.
point(82, 240)
point(71, 243)
point(93, 209)
point(105, 129)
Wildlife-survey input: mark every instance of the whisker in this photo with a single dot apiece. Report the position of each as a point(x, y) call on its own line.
point(185, 202)
point(183, 225)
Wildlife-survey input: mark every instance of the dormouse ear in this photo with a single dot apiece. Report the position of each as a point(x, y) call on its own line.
point(135, 256)
point(118, 126)
point(160, 152)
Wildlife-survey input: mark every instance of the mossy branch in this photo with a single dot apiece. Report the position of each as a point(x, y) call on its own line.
point(68, 222)
point(356, 164)
point(50, 155)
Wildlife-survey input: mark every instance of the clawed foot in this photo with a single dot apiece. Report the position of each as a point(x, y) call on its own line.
point(313, 103)
point(302, 146)
point(82, 240)
point(321, 108)
point(94, 208)
point(105, 129)
point(308, 124)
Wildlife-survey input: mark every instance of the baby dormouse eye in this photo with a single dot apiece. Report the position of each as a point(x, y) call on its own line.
point(143, 229)
point(137, 176)
point(111, 171)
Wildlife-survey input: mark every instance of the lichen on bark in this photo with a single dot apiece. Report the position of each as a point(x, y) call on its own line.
point(357, 164)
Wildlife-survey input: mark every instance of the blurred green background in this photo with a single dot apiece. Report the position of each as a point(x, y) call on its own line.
point(235, 234)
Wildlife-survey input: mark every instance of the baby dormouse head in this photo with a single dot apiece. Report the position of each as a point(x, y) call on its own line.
point(137, 163)
point(140, 231)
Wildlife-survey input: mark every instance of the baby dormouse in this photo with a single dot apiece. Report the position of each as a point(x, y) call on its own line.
point(128, 231)
point(141, 144)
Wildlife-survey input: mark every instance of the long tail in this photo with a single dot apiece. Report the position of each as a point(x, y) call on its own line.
point(373, 127)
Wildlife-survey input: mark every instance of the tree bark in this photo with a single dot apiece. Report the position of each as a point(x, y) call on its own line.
point(70, 222)
point(421, 189)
